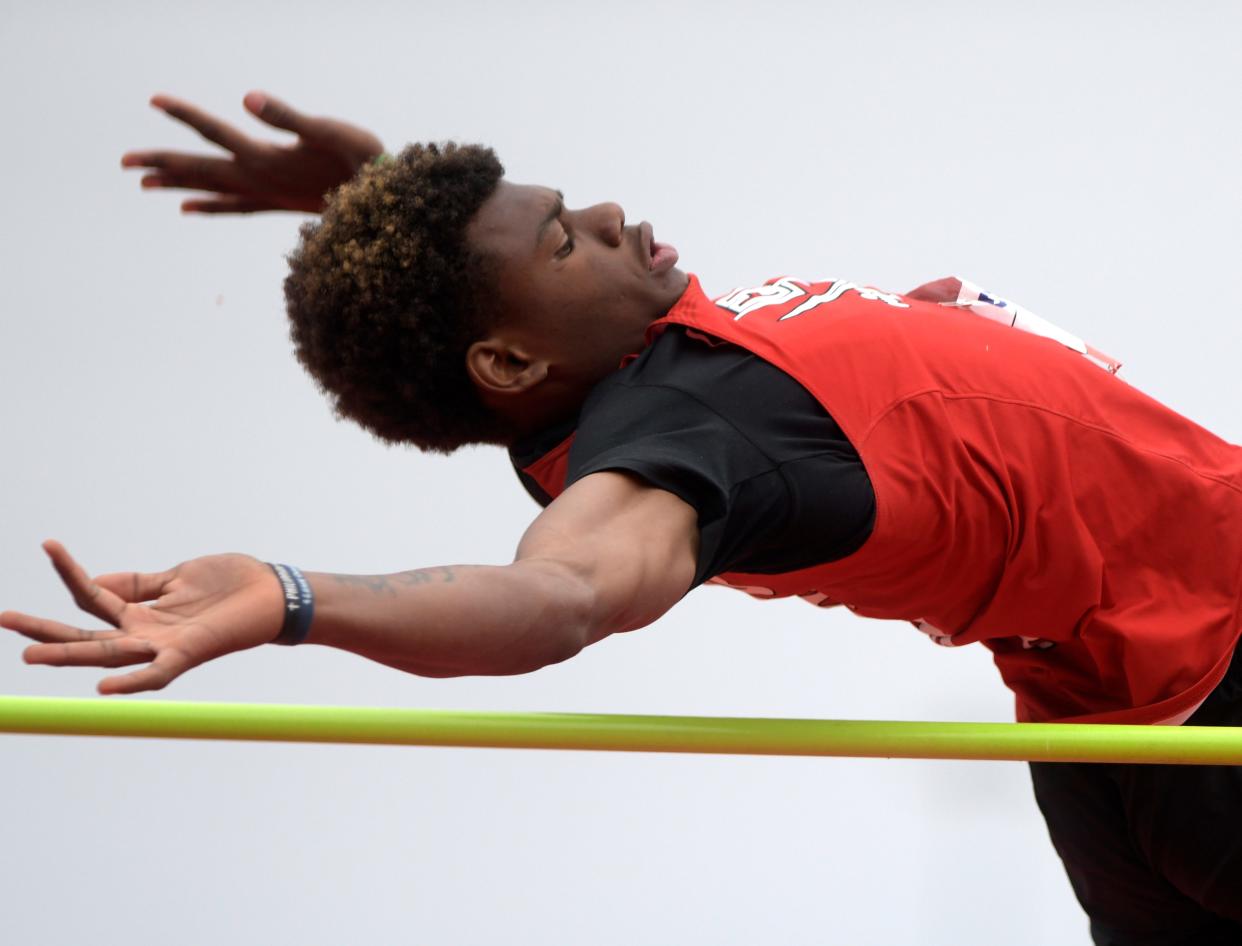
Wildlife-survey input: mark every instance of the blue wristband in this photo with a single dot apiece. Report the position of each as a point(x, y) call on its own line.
point(299, 604)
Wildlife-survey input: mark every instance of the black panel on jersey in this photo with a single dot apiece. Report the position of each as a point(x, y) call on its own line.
point(775, 483)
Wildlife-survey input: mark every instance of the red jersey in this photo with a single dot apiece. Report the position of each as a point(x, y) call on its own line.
point(1025, 498)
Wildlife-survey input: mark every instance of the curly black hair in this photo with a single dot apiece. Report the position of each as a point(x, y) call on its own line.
point(384, 296)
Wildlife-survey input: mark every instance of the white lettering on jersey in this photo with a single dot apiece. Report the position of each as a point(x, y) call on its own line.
point(744, 301)
point(840, 288)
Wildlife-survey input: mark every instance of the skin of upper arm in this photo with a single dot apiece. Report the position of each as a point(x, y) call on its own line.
point(630, 548)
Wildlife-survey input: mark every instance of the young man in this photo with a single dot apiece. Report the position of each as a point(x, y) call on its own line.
point(889, 452)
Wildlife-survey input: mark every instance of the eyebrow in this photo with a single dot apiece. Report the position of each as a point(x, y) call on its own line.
point(557, 209)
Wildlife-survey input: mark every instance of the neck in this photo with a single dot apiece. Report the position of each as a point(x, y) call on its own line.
point(555, 400)
point(534, 411)
point(536, 421)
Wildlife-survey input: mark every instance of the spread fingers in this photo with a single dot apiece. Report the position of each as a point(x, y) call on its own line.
point(50, 632)
point(89, 596)
point(105, 652)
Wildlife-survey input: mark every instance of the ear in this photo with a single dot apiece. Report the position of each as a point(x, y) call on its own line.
point(500, 368)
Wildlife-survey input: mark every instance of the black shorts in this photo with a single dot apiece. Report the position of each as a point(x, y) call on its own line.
point(1153, 852)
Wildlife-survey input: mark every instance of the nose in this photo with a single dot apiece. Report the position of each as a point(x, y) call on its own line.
point(607, 221)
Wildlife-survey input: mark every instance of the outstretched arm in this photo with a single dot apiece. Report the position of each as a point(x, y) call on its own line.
point(611, 554)
point(257, 175)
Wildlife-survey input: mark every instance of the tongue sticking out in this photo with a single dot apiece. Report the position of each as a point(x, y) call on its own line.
point(663, 256)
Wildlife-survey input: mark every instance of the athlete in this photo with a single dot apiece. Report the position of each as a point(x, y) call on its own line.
point(916, 456)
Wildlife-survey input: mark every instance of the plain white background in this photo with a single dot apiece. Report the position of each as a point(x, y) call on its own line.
point(1079, 158)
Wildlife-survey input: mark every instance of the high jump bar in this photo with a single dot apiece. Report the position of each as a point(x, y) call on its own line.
point(263, 722)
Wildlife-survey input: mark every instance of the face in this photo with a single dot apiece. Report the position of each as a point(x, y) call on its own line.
point(576, 288)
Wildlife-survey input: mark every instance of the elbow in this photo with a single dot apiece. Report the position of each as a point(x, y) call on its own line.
point(561, 648)
point(555, 645)
point(569, 620)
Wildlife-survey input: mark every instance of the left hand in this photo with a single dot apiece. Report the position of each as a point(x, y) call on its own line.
point(940, 290)
point(203, 609)
point(258, 175)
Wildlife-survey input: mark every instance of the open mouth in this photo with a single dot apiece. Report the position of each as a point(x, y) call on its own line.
point(662, 256)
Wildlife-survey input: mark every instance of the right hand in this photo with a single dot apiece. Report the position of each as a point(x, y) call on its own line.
point(200, 610)
point(258, 175)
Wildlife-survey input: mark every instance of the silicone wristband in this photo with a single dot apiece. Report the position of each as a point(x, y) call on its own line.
point(299, 604)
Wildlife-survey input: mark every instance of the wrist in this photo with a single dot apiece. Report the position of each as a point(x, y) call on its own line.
point(298, 604)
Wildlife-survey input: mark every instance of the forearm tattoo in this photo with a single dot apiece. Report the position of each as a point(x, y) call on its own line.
point(389, 584)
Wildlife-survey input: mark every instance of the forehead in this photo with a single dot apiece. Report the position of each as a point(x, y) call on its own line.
point(510, 217)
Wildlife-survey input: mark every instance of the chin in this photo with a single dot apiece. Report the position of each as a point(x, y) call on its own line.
point(677, 279)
